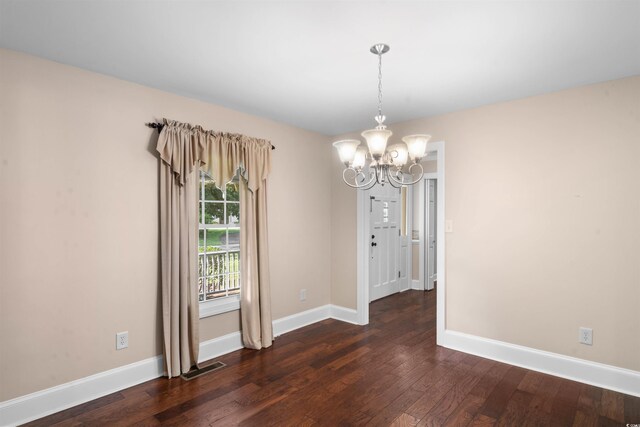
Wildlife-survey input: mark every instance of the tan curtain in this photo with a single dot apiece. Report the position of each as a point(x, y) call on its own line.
point(178, 240)
point(183, 150)
point(255, 291)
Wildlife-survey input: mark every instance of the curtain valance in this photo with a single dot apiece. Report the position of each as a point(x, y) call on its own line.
point(185, 147)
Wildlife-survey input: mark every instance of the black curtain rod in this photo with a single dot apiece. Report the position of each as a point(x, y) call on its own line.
point(159, 126)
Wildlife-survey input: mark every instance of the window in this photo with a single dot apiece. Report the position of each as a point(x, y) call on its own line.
point(218, 247)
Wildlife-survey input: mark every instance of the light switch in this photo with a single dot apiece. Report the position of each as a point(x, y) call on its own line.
point(448, 226)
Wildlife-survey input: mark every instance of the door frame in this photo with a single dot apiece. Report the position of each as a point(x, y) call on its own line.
point(422, 216)
point(362, 247)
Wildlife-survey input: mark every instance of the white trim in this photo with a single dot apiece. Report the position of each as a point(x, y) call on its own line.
point(362, 258)
point(298, 320)
point(409, 220)
point(218, 346)
point(344, 314)
point(415, 285)
point(49, 401)
point(219, 306)
point(440, 243)
point(421, 240)
point(584, 371)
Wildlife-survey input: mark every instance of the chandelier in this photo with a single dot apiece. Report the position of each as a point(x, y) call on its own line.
point(385, 164)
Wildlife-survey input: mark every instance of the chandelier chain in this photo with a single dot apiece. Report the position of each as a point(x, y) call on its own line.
point(380, 84)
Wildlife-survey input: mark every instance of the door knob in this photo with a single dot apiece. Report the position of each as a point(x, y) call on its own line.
point(374, 244)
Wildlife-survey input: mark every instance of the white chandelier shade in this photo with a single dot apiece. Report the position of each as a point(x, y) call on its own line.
point(377, 141)
point(360, 158)
point(346, 149)
point(417, 145)
point(387, 163)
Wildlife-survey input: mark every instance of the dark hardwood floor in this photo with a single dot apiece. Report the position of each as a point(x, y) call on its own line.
point(387, 373)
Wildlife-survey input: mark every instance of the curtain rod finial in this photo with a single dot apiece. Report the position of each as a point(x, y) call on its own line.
point(157, 126)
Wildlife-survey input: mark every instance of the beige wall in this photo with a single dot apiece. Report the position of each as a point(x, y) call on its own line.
point(543, 192)
point(79, 219)
point(544, 195)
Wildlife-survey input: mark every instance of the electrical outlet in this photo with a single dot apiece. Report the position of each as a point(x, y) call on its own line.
point(303, 294)
point(122, 340)
point(585, 336)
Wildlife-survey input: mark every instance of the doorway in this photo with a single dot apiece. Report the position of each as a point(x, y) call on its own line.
point(428, 220)
point(363, 244)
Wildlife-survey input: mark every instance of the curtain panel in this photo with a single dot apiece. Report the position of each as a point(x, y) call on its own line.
point(184, 150)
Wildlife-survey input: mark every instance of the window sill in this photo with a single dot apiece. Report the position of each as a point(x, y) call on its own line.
point(219, 306)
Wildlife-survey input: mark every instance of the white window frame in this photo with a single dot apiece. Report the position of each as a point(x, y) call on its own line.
point(218, 305)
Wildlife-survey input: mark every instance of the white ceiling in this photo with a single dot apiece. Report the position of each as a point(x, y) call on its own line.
point(308, 64)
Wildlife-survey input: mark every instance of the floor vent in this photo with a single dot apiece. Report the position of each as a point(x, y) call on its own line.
point(195, 373)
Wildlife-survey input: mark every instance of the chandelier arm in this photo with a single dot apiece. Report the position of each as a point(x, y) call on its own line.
point(419, 177)
point(356, 185)
point(394, 180)
point(372, 181)
point(377, 170)
point(372, 184)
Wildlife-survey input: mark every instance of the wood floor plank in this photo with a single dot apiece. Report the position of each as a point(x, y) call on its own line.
point(482, 421)
point(404, 420)
point(497, 401)
point(631, 410)
point(565, 403)
point(612, 405)
point(450, 401)
point(331, 373)
point(515, 411)
point(465, 412)
point(432, 395)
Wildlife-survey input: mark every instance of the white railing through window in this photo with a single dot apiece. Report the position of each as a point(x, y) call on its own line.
point(219, 273)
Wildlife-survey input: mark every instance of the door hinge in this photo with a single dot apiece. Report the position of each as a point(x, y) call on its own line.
point(398, 274)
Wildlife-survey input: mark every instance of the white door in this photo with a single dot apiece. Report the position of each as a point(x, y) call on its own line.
point(431, 275)
point(384, 247)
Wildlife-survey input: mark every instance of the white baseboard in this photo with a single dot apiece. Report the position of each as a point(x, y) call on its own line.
point(42, 403)
point(415, 284)
point(219, 346)
point(348, 315)
point(49, 401)
point(584, 371)
point(298, 320)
